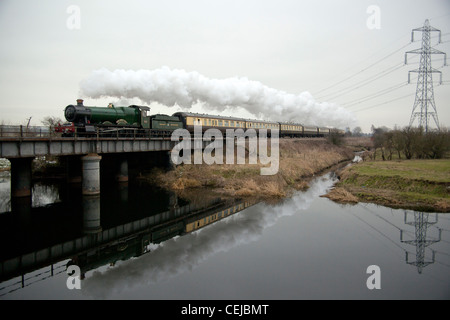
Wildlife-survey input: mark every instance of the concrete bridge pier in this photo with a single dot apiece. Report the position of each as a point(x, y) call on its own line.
point(21, 177)
point(122, 170)
point(91, 174)
point(91, 214)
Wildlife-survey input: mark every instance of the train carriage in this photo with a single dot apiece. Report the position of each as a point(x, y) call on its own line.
point(260, 124)
point(309, 131)
point(291, 130)
point(209, 121)
point(323, 132)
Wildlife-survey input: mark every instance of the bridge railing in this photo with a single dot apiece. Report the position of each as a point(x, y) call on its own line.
point(49, 132)
point(26, 131)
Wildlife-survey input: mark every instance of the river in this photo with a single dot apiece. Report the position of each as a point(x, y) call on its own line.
point(305, 247)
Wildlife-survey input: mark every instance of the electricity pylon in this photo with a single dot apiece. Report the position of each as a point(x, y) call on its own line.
point(424, 106)
point(421, 241)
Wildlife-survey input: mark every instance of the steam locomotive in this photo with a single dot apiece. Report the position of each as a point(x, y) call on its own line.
point(137, 121)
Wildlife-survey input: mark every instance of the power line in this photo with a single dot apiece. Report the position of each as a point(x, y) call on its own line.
point(374, 95)
point(386, 102)
point(366, 82)
point(364, 69)
point(383, 92)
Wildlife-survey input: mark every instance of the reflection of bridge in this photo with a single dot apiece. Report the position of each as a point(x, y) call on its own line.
point(98, 246)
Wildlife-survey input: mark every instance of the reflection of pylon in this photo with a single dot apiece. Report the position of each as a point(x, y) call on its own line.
point(424, 105)
point(420, 224)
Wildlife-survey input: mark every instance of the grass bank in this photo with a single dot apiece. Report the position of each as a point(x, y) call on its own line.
point(411, 184)
point(300, 160)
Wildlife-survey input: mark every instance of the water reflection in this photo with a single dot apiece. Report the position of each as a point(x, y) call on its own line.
point(421, 240)
point(118, 225)
point(42, 194)
point(177, 256)
point(135, 238)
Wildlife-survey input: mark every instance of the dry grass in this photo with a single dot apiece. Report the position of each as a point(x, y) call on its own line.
point(416, 184)
point(300, 159)
point(183, 183)
point(341, 195)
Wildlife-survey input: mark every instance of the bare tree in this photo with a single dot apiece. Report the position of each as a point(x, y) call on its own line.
point(357, 132)
point(51, 121)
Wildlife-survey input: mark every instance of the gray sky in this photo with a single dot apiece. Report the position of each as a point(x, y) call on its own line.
point(290, 46)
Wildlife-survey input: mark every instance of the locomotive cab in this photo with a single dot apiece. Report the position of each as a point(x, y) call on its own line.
point(145, 116)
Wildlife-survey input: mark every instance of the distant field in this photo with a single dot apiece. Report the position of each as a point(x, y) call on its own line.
point(412, 184)
point(429, 170)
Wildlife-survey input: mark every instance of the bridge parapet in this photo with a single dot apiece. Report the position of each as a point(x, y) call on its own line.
point(35, 147)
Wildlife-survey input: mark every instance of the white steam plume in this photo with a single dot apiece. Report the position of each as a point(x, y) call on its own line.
point(185, 89)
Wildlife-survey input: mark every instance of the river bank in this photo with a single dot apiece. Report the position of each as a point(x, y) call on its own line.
point(422, 185)
point(300, 161)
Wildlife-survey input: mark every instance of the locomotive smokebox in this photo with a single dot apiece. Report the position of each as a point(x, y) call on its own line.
point(77, 113)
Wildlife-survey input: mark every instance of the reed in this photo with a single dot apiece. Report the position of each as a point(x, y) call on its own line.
point(300, 160)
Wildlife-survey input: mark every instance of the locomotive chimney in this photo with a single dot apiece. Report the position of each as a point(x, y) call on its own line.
point(79, 102)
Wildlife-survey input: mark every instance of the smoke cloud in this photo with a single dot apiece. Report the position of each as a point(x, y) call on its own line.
point(185, 89)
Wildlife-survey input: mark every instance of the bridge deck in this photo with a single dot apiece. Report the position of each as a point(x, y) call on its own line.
point(21, 147)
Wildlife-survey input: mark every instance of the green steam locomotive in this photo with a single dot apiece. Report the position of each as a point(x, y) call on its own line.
point(124, 120)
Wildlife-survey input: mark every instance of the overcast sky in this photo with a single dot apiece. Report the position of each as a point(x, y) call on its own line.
point(322, 47)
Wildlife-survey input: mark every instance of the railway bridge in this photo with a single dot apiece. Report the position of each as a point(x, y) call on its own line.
point(82, 155)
